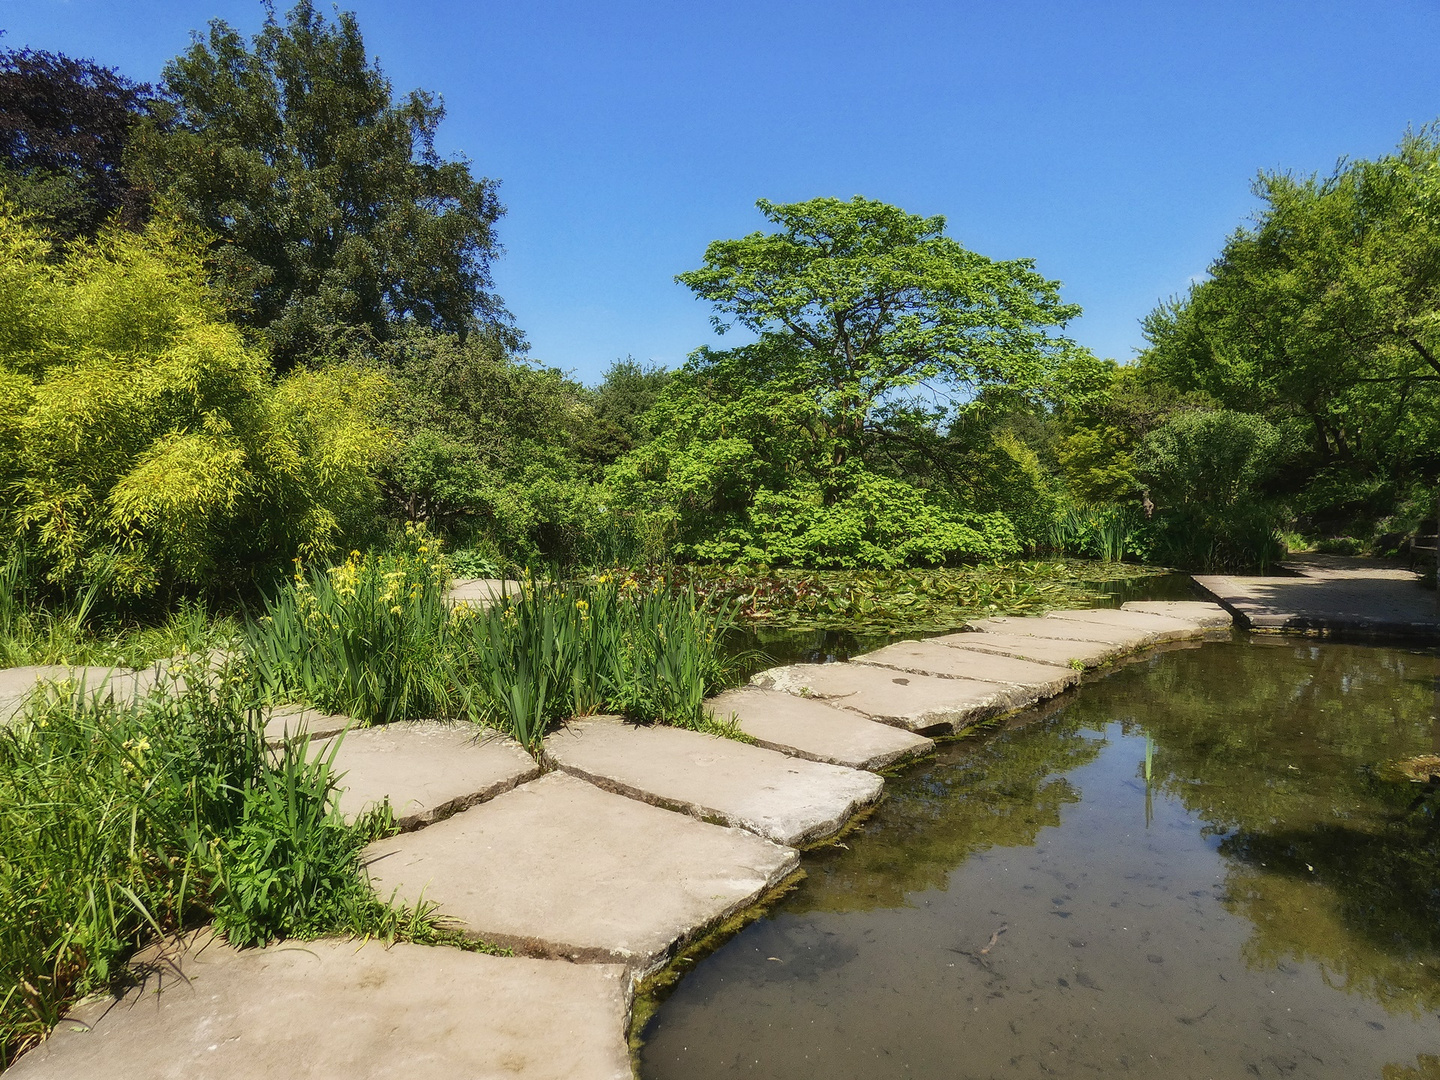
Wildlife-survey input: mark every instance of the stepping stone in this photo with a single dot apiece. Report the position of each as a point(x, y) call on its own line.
point(559, 868)
point(481, 592)
point(1200, 612)
point(1060, 652)
point(1152, 629)
point(122, 685)
point(427, 770)
point(788, 800)
point(1055, 629)
point(812, 729)
point(339, 1010)
point(922, 703)
point(938, 658)
point(291, 723)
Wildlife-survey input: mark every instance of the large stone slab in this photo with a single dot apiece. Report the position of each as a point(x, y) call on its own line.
point(922, 703)
point(291, 723)
point(19, 684)
point(1200, 612)
point(812, 729)
point(339, 1010)
point(481, 592)
point(1058, 630)
point(1066, 653)
point(427, 770)
point(1151, 629)
point(784, 799)
point(938, 658)
point(559, 868)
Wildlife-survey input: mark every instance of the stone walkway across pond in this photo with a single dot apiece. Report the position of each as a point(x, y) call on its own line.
point(637, 843)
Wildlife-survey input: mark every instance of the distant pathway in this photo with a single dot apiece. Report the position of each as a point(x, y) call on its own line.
point(1331, 594)
point(637, 843)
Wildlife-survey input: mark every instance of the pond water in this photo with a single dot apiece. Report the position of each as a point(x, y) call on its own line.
point(1027, 904)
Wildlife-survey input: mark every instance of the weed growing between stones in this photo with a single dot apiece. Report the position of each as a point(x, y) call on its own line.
point(120, 824)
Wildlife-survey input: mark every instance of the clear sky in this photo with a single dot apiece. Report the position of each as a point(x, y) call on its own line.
point(1114, 143)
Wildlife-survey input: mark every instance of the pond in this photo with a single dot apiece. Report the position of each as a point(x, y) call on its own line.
point(1028, 904)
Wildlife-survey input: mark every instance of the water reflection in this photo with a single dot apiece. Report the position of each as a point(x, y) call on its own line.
point(1030, 904)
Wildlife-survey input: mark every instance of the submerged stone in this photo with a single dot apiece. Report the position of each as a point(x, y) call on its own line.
point(559, 868)
point(813, 729)
point(341, 1010)
point(784, 799)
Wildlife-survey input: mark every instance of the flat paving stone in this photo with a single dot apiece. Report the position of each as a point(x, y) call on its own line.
point(294, 722)
point(1151, 629)
point(812, 729)
point(481, 592)
point(1040, 650)
point(1057, 630)
point(339, 1010)
point(1200, 612)
point(914, 702)
point(427, 770)
point(119, 684)
point(559, 868)
point(1332, 594)
point(936, 657)
point(788, 800)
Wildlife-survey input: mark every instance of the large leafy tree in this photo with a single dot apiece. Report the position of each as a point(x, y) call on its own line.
point(332, 209)
point(64, 128)
point(1324, 315)
point(885, 318)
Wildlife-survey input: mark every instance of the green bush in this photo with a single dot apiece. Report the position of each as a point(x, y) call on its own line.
point(1206, 472)
point(881, 523)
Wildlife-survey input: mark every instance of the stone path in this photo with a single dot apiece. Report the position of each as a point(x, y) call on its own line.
point(641, 841)
point(1331, 594)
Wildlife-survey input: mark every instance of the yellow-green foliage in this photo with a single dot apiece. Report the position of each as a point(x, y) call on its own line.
point(142, 439)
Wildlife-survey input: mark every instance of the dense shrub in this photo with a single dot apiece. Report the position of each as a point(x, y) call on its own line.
point(142, 442)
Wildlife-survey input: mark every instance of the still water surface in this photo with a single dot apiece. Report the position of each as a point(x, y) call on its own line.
point(1027, 905)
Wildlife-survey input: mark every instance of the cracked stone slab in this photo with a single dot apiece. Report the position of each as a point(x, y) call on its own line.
point(339, 1010)
point(1061, 652)
point(1151, 629)
point(788, 800)
point(807, 728)
point(918, 703)
point(938, 658)
point(1199, 612)
point(427, 770)
point(559, 868)
point(290, 723)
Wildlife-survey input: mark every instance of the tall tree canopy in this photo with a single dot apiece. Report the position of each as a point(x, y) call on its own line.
point(882, 311)
point(1324, 315)
point(64, 127)
point(332, 208)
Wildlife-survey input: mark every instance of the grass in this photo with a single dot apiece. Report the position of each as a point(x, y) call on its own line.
point(376, 639)
point(123, 823)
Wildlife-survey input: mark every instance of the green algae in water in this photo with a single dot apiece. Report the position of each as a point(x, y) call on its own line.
point(1027, 904)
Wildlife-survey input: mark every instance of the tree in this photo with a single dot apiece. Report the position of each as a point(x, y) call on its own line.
point(333, 212)
point(64, 128)
point(1324, 316)
point(886, 316)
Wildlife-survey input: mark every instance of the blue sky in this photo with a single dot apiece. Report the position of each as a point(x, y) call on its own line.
point(1114, 143)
